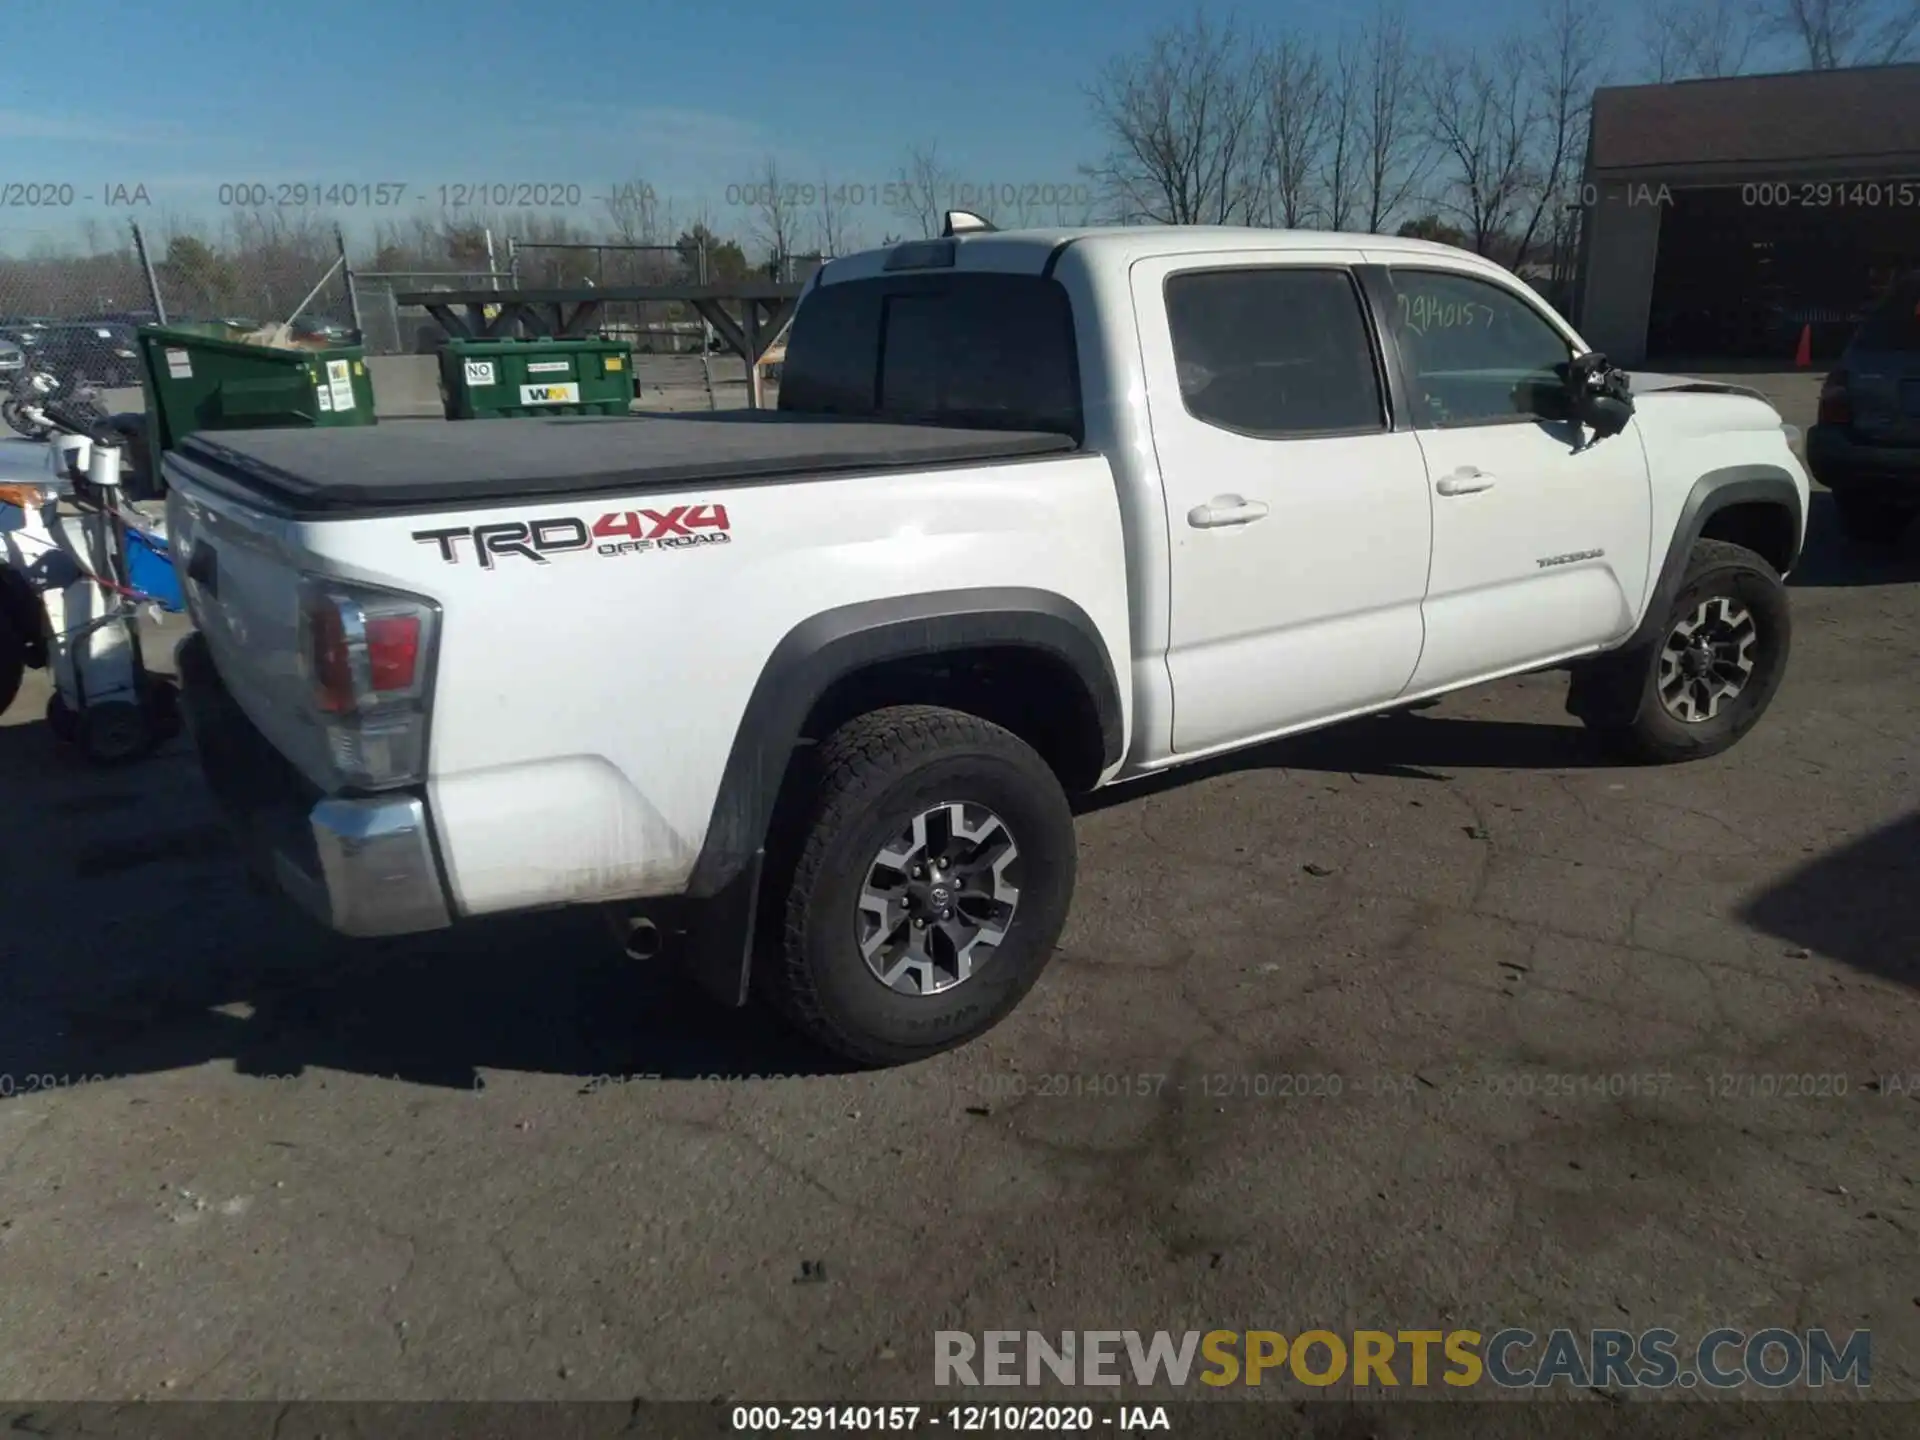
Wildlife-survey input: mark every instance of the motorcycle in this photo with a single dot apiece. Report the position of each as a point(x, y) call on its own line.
point(22, 409)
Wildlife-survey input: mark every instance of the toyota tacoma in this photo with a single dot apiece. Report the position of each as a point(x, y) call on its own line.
point(809, 690)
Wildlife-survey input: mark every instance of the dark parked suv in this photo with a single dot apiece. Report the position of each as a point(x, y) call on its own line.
point(102, 351)
point(1865, 447)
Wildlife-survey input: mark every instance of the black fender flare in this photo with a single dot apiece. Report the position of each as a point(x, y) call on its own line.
point(834, 644)
point(1606, 689)
point(1711, 493)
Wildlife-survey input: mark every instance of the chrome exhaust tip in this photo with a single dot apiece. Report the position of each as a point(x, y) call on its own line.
point(643, 940)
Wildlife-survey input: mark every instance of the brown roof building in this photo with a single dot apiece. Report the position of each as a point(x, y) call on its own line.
point(1725, 216)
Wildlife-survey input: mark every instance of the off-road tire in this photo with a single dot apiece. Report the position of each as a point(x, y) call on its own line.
point(870, 779)
point(1716, 570)
point(1872, 521)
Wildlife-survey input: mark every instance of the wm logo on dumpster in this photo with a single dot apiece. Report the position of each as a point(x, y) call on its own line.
point(567, 394)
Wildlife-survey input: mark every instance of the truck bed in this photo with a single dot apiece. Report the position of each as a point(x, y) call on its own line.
point(440, 464)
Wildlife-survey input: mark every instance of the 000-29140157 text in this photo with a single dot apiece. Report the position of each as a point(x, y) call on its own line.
point(878, 1419)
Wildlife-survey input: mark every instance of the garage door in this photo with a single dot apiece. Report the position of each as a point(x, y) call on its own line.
point(1742, 269)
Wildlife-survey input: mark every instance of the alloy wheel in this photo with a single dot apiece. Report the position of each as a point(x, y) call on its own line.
point(938, 899)
point(1707, 660)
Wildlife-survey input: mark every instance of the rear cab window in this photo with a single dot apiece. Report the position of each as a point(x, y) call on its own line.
point(968, 348)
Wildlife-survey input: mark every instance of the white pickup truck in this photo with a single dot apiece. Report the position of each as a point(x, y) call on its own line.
point(809, 689)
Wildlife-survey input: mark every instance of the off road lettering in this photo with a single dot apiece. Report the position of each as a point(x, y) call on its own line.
point(619, 532)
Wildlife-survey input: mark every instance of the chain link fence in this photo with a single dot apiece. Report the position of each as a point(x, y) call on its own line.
point(651, 329)
point(389, 328)
point(258, 271)
point(69, 302)
point(70, 299)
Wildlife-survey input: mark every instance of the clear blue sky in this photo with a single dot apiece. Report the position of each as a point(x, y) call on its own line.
point(192, 94)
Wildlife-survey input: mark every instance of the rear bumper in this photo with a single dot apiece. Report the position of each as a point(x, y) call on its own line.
point(1840, 462)
point(360, 865)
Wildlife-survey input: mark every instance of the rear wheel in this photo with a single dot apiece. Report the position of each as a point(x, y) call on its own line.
point(17, 421)
point(114, 732)
point(1719, 659)
point(932, 882)
point(1870, 520)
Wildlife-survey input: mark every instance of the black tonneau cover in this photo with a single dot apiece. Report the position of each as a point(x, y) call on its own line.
point(428, 464)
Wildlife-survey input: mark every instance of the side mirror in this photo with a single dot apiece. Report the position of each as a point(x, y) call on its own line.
point(1599, 394)
point(1606, 414)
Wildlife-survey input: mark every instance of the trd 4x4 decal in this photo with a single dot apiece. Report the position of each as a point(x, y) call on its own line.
point(619, 532)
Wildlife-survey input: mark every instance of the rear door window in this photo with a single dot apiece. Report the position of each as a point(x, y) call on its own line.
point(1274, 351)
point(987, 351)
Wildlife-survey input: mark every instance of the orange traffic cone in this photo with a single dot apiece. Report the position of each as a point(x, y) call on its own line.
point(1803, 352)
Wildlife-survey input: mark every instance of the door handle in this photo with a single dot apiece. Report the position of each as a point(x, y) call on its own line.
point(1225, 510)
point(1464, 481)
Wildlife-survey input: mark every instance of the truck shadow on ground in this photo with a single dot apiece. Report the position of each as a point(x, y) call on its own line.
point(1830, 561)
point(1858, 904)
point(133, 945)
point(1405, 744)
point(544, 998)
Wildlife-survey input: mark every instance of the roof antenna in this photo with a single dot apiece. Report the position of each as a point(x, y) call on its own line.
point(961, 222)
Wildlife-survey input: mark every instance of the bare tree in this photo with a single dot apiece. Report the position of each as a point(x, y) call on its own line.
point(921, 190)
point(1696, 39)
point(1481, 117)
point(830, 219)
point(776, 216)
point(634, 213)
point(1563, 239)
point(1340, 152)
point(1566, 65)
point(1294, 123)
point(1181, 120)
point(1022, 211)
point(1391, 158)
point(1831, 34)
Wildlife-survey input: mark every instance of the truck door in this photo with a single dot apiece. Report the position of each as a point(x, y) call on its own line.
point(1540, 533)
point(1298, 517)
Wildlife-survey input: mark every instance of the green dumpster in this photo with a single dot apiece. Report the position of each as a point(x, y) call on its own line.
point(491, 379)
point(200, 377)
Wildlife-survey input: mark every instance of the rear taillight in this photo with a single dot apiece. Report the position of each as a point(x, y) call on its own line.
point(393, 652)
point(329, 662)
point(366, 655)
point(1836, 404)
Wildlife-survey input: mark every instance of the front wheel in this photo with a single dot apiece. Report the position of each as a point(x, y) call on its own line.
point(16, 420)
point(1717, 663)
point(932, 882)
